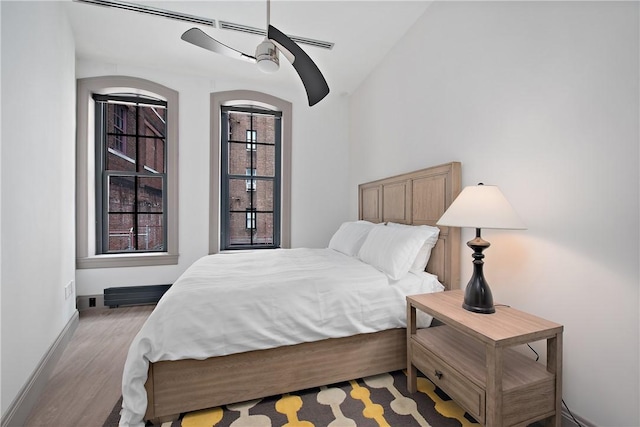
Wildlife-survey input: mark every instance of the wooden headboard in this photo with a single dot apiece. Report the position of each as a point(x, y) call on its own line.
point(419, 198)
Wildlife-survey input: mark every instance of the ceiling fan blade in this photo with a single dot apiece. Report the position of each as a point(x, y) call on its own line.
point(312, 79)
point(199, 38)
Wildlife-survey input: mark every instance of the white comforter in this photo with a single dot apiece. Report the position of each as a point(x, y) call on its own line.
point(237, 302)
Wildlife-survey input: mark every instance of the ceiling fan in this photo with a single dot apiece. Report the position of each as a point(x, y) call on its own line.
point(267, 57)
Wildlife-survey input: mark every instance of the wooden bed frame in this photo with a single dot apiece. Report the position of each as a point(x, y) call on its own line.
point(420, 197)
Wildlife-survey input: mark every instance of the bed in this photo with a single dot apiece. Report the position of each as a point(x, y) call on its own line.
point(174, 386)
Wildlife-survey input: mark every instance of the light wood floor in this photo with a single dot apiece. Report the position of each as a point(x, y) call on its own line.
point(86, 382)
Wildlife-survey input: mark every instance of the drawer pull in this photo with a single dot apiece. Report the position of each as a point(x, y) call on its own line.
point(438, 374)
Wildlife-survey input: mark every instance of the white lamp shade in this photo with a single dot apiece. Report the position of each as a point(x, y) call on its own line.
point(481, 206)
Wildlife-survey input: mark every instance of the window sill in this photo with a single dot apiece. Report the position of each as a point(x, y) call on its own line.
point(126, 260)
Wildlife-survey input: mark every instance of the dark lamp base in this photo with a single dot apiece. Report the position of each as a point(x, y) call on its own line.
point(479, 308)
point(477, 296)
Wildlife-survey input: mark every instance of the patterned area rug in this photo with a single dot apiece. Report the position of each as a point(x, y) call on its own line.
point(382, 400)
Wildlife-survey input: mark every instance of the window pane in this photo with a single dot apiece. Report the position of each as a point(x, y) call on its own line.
point(263, 197)
point(263, 234)
point(121, 194)
point(121, 153)
point(265, 160)
point(239, 124)
point(151, 121)
point(239, 234)
point(151, 156)
point(239, 158)
point(250, 193)
point(150, 232)
point(264, 125)
point(240, 194)
point(121, 118)
point(121, 236)
point(150, 195)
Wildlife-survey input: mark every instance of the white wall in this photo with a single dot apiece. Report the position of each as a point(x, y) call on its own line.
point(38, 164)
point(320, 148)
point(541, 99)
point(1, 407)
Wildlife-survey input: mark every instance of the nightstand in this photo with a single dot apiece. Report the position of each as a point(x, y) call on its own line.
point(469, 358)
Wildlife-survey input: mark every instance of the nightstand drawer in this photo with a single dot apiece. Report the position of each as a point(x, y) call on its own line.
point(460, 389)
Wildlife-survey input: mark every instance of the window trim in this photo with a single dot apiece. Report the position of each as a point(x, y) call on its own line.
point(264, 101)
point(86, 256)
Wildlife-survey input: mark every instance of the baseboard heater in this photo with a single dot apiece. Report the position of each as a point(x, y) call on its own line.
point(134, 295)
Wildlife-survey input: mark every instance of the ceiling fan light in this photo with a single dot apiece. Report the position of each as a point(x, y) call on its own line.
point(267, 57)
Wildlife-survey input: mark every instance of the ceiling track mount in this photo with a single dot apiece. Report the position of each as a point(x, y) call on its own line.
point(134, 7)
point(225, 25)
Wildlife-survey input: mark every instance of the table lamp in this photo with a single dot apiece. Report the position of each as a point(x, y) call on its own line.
point(480, 206)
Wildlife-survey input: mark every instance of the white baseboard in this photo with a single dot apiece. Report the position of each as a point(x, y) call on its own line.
point(19, 410)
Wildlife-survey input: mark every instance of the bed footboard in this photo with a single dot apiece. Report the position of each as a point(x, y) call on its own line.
point(175, 387)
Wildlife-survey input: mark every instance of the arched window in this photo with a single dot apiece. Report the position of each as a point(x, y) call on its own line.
point(127, 175)
point(250, 171)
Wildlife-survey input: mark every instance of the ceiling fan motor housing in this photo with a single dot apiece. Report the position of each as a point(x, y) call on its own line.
point(267, 57)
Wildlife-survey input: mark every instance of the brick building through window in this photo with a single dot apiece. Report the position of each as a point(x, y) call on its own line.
point(131, 176)
point(250, 181)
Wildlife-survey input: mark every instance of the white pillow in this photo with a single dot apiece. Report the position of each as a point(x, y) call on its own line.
point(392, 250)
point(431, 238)
point(350, 237)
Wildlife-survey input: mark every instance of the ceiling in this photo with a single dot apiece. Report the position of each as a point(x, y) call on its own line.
point(362, 31)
